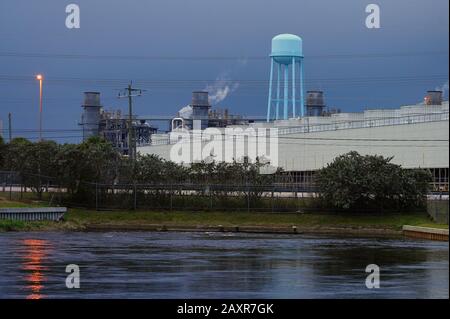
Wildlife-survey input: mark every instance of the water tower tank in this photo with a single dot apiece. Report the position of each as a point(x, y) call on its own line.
point(286, 46)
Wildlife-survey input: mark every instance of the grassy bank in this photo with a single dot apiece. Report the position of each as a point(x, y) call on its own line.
point(81, 219)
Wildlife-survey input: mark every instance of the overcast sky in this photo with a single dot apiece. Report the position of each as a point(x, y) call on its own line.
point(161, 44)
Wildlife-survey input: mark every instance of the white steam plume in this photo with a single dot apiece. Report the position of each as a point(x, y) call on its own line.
point(221, 88)
point(443, 88)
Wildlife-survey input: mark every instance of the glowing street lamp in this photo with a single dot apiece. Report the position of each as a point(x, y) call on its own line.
point(39, 77)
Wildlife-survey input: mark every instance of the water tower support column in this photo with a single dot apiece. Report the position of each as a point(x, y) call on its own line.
point(293, 87)
point(286, 92)
point(269, 104)
point(302, 90)
point(278, 91)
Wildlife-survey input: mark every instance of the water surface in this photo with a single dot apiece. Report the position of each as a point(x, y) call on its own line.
point(218, 265)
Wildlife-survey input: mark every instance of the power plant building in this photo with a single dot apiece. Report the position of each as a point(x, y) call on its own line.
point(416, 136)
point(111, 125)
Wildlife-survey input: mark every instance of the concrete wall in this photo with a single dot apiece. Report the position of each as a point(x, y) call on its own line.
point(311, 151)
point(302, 155)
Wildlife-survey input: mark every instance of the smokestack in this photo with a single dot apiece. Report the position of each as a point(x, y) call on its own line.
point(314, 103)
point(200, 107)
point(433, 98)
point(91, 114)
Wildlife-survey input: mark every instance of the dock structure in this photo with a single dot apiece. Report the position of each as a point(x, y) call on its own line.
point(425, 233)
point(33, 214)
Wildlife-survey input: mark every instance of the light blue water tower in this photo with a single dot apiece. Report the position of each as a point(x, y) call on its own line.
point(287, 54)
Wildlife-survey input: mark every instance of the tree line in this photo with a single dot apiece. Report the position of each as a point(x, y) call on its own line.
point(351, 182)
point(72, 166)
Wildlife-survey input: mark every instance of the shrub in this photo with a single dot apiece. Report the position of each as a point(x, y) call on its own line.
point(353, 181)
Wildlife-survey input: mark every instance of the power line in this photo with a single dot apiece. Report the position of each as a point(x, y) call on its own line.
point(279, 143)
point(44, 130)
point(246, 86)
point(209, 58)
point(7, 77)
point(286, 138)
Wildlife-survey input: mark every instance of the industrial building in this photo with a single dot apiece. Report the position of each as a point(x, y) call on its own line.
point(200, 110)
point(111, 125)
point(310, 136)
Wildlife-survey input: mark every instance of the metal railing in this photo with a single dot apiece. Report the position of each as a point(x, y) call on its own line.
point(366, 123)
point(346, 124)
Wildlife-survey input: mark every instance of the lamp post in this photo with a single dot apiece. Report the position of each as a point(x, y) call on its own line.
point(39, 77)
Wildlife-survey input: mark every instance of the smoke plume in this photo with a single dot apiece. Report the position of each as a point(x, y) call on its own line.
point(443, 88)
point(221, 88)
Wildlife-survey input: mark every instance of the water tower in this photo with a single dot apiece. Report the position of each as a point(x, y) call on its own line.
point(286, 60)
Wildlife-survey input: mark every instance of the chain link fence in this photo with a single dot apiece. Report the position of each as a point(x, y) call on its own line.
point(204, 197)
point(276, 197)
point(438, 210)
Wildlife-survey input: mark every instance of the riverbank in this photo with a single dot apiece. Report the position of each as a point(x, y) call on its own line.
point(320, 223)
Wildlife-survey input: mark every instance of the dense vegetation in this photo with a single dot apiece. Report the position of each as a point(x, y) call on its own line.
point(353, 181)
point(76, 167)
point(93, 171)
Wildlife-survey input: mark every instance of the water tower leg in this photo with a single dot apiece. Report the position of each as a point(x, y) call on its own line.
point(302, 103)
point(286, 92)
point(269, 103)
point(278, 92)
point(293, 88)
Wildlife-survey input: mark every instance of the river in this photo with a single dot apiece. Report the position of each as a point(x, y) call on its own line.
point(218, 265)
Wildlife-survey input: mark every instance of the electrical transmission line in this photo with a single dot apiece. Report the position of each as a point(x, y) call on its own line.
point(211, 57)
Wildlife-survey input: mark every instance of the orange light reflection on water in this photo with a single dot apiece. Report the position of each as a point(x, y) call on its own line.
point(35, 253)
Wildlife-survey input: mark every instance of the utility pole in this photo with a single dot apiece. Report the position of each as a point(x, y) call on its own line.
point(9, 127)
point(130, 92)
point(40, 77)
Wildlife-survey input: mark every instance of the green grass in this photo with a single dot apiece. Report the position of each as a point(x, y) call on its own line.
point(79, 218)
point(26, 202)
point(7, 203)
point(18, 225)
point(385, 221)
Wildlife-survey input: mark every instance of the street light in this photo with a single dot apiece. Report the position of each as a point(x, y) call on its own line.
point(39, 77)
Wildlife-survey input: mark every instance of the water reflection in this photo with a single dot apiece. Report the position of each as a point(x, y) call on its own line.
point(203, 265)
point(35, 253)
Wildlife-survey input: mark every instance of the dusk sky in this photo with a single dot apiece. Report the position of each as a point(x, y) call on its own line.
point(172, 47)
